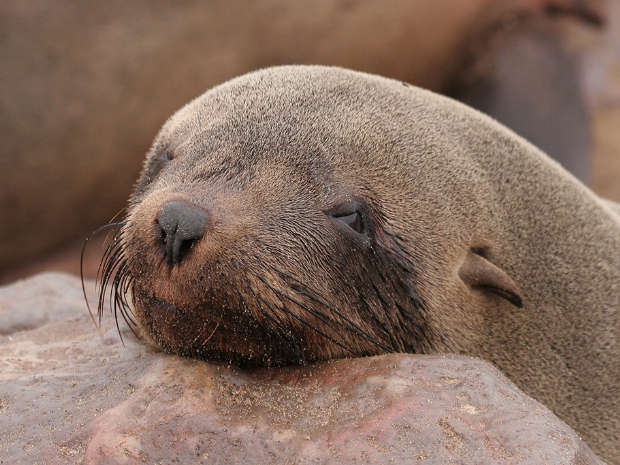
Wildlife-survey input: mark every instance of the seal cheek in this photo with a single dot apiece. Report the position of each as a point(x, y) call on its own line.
point(164, 319)
point(479, 273)
point(162, 312)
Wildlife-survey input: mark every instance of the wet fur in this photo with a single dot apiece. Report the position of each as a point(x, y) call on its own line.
point(276, 280)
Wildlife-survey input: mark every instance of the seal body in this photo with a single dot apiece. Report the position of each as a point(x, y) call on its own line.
point(298, 214)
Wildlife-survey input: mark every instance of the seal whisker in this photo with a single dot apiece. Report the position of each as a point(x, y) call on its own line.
point(115, 237)
point(111, 249)
point(110, 266)
point(108, 277)
point(121, 289)
point(348, 324)
point(282, 331)
point(313, 312)
point(286, 336)
point(120, 285)
point(326, 318)
point(114, 273)
point(93, 234)
point(204, 343)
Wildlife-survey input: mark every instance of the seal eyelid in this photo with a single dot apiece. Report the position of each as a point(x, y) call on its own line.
point(353, 214)
point(167, 154)
point(354, 221)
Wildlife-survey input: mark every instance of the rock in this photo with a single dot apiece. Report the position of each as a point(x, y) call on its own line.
point(69, 396)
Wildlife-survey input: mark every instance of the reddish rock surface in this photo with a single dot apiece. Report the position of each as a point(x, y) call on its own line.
point(69, 396)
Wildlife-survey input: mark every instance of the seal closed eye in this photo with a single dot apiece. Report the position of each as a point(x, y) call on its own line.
point(310, 213)
point(352, 214)
point(353, 220)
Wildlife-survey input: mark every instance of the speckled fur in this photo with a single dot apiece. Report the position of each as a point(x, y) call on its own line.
point(267, 154)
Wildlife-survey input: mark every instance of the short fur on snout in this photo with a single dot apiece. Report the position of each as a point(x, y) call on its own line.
point(351, 215)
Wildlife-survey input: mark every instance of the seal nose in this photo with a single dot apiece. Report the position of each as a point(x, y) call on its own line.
point(182, 225)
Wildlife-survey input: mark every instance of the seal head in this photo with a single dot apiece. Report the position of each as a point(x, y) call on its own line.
point(298, 214)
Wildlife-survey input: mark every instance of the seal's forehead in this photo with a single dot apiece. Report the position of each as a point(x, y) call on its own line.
point(292, 110)
point(302, 96)
point(318, 118)
point(309, 103)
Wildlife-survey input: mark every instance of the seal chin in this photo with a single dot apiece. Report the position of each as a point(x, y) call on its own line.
point(159, 318)
point(204, 332)
point(163, 312)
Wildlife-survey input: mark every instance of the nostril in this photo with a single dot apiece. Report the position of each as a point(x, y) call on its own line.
point(182, 225)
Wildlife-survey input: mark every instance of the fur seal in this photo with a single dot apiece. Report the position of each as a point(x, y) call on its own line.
point(306, 213)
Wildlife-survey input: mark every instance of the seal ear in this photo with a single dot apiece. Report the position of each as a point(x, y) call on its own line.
point(479, 273)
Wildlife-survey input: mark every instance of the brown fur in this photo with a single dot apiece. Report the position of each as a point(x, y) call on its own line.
point(464, 221)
